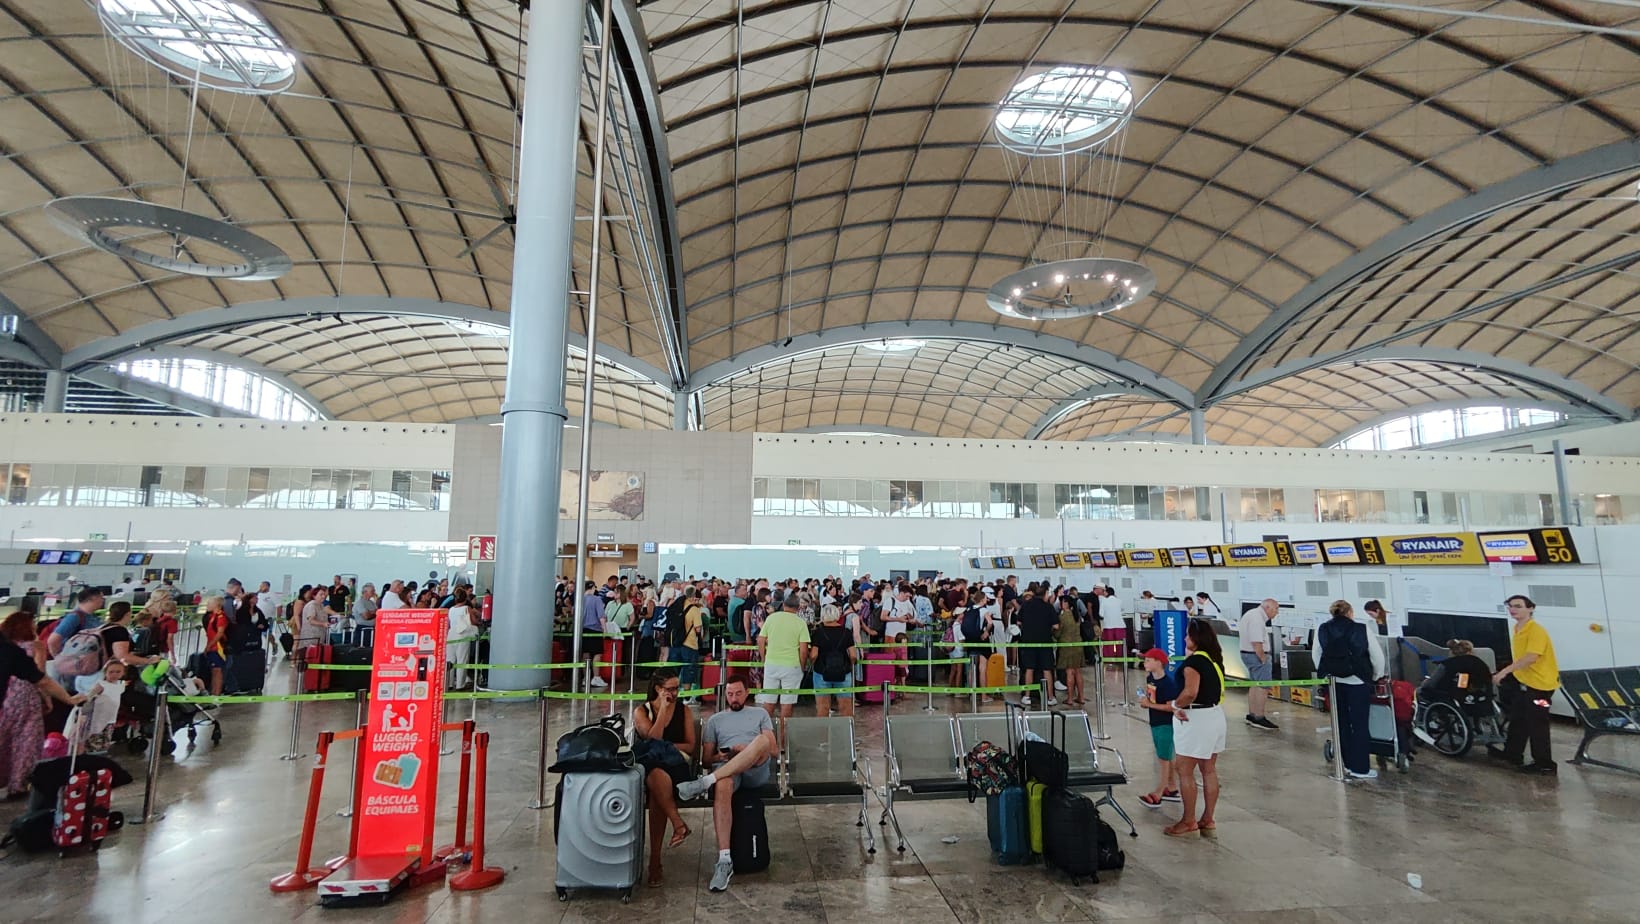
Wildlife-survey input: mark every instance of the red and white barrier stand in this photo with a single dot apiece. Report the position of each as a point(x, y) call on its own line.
point(457, 852)
point(477, 875)
point(305, 876)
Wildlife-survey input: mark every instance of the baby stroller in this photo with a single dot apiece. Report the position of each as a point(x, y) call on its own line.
point(179, 716)
point(1459, 711)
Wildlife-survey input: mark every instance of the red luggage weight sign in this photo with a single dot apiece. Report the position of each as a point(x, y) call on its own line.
point(399, 795)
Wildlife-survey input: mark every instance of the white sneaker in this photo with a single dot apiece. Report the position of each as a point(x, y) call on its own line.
point(722, 872)
point(1059, 685)
point(597, 683)
point(695, 788)
point(1369, 775)
point(1052, 701)
point(1025, 700)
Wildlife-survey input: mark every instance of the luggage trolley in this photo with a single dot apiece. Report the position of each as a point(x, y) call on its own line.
point(1387, 736)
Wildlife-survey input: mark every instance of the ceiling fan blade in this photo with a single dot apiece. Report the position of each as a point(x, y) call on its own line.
point(434, 207)
point(482, 241)
point(501, 201)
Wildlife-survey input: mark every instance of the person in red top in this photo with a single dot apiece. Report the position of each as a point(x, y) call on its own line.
point(216, 642)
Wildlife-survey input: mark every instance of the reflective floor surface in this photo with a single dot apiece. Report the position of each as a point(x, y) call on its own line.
point(1294, 845)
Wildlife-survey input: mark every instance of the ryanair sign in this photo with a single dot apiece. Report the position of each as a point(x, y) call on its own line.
point(1257, 555)
point(1427, 549)
point(1145, 558)
point(1306, 553)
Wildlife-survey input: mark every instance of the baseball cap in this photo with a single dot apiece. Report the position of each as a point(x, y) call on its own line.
point(1156, 654)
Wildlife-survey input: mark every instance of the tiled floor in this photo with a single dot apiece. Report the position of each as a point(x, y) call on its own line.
point(1295, 846)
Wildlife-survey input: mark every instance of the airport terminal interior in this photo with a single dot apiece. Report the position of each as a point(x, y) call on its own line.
point(826, 460)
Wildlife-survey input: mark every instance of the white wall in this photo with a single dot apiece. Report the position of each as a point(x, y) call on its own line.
point(129, 440)
point(789, 455)
point(697, 486)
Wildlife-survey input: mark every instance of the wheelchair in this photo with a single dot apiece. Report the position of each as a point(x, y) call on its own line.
point(1454, 720)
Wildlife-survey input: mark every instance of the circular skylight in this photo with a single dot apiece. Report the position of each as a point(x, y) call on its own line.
point(1064, 110)
point(225, 45)
point(1071, 289)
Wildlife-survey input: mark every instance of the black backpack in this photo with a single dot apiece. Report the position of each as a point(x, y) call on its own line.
point(677, 623)
point(973, 625)
point(834, 664)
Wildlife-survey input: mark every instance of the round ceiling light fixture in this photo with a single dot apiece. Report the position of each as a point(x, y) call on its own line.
point(1071, 289)
point(93, 219)
point(1064, 110)
point(221, 44)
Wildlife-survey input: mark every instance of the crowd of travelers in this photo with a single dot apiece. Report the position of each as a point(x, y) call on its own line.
point(811, 636)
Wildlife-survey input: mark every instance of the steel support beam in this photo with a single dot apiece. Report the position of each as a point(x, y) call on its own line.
point(1573, 411)
point(157, 393)
point(160, 333)
point(1573, 391)
point(1143, 380)
point(1083, 397)
point(1198, 426)
point(533, 411)
point(1541, 182)
point(28, 343)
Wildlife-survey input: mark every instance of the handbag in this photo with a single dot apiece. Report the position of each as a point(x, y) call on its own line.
point(658, 754)
point(597, 748)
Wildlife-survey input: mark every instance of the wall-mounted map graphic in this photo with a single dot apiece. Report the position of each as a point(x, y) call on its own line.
point(611, 495)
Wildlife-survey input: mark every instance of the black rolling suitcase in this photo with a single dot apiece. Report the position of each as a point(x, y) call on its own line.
point(1074, 838)
point(348, 681)
point(748, 833)
point(247, 672)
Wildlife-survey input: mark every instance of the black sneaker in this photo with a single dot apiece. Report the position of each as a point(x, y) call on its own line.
point(1540, 769)
point(1258, 721)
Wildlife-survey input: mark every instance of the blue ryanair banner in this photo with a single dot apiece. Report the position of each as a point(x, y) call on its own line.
point(1169, 626)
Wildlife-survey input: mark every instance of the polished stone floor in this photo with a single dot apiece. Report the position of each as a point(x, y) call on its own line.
point(1295, 846)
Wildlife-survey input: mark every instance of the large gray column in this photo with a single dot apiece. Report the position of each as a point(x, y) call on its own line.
point(56, 400)
point(533, 411)
point(1198, 436)
point(680, 410)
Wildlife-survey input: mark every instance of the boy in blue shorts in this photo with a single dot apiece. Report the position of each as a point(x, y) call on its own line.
point(1160, 689)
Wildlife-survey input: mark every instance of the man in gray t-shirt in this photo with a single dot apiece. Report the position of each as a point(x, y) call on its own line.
point(739, 743)
point(1255, 656)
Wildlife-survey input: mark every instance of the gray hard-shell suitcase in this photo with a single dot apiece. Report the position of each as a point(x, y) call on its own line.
point(600, 831)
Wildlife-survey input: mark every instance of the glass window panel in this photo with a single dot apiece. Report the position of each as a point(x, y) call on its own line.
point(1437, 426)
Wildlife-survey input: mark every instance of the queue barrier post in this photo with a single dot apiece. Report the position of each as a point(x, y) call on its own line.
point(295, 728)
point(477, 875)
point(541, 759)
point(304, 876)
point(359, 697)
point(973, 686)
point(1127, 694)
point(928, 671)
point(150, 786)
point(1099, 694)
point(1337, 734)
point(459, 848)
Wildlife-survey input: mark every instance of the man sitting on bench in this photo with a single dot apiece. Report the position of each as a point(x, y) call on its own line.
point(738, 743)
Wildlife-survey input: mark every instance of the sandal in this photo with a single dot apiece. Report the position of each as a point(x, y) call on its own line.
point(1151, 801)
point(1209, 830)
point(678, 837)
point(655, 879)
point(1176, 831)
